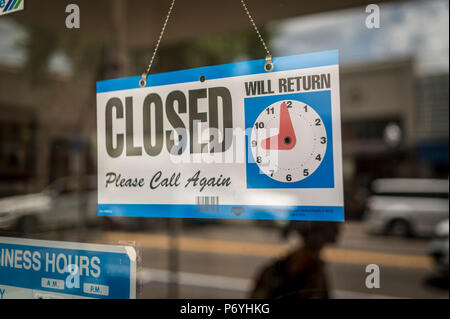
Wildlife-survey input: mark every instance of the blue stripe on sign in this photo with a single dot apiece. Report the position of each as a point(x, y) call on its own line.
point(312, 213)
point(7, 5)
point(287, 63)
point(12, 4)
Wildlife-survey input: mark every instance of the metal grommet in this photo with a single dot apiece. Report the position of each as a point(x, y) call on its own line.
point(143, 81)
point(269, 65)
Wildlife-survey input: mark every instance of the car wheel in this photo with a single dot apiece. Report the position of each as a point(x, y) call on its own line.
point(27, 224)
point(399, 228)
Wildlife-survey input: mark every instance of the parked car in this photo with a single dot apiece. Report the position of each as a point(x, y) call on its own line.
point(406, 207)
point(58, 205)
point(439, 247)
point(22, 212)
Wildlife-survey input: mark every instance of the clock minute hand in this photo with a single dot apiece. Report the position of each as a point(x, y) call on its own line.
point(286, 139)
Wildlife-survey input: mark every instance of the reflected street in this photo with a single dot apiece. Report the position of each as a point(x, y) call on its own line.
point(222, 260)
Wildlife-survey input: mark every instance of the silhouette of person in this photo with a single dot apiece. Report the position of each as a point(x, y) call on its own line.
point(301, 274)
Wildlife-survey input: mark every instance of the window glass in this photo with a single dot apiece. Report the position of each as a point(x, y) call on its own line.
point(394, 115)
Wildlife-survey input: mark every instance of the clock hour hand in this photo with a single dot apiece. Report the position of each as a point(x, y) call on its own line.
point(286, 139)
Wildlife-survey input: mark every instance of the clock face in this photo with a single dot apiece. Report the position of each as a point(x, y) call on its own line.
point(288, 141)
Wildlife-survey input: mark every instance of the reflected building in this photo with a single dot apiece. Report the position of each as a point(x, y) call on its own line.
point(40, 122)
point(432, 125)
point(393, 125)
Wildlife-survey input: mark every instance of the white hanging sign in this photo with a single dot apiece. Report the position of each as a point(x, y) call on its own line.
point(226, 141)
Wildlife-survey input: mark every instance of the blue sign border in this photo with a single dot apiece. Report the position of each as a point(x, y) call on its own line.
point(286, 63)
point(311, 213)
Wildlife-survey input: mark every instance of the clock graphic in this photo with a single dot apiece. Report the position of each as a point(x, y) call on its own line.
point(289, 142)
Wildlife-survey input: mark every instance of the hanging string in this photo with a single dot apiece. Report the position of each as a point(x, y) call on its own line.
point(268, 65)
point(256, 28)
point(143, 81)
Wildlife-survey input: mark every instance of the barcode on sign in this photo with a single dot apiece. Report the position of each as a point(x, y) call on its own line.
point(207, 203)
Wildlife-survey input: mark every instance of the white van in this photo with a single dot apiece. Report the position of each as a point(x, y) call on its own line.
point(406, 207)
